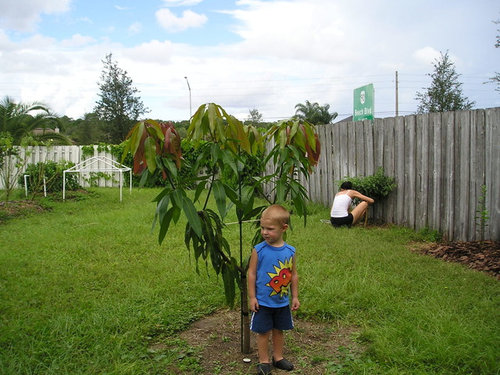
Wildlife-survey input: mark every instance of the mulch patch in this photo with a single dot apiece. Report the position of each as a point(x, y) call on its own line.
point(19, 208)
point(479, 255)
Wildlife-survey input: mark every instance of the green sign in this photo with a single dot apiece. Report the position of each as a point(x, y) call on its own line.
point(364, 98)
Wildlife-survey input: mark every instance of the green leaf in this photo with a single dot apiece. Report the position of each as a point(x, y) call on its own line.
point(162, 207)
point(165, 224)
point(214, 152)
point(177, 196)
point(220, 197)
point(192, 215)
point(228, 159)
point(282, 138)
point(194, 131)
point(150, 153)
point(171, 167)
point(176, 214)
point(253, 213)
point(135, 139)
point(144, 178)
point(160, 196)
point(231, 194)
point(199, 189)
point(229, 284)
point(212, 118)
point(280, 191)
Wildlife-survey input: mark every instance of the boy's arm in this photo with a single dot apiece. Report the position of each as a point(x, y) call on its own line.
point(252, 277)
point(295, 286)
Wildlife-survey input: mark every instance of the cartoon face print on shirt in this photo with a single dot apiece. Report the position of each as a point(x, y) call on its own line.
point(281, 278)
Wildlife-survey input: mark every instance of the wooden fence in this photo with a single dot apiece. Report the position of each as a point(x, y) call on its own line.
point(74, 154)
point(440, 162)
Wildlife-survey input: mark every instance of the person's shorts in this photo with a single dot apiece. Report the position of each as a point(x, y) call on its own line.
point(268, 318)
point(339, 221)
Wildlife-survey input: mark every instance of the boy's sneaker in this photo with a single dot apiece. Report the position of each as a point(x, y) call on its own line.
point(283, 364)
point(264, 369)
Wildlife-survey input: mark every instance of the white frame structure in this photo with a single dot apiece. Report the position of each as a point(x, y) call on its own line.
point(110, 166)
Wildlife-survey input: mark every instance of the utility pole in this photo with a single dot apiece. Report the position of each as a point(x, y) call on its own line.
point(189, 88)
point(397, 104)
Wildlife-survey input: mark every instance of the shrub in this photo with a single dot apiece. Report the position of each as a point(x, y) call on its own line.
point(377, 186)
point(53, 173)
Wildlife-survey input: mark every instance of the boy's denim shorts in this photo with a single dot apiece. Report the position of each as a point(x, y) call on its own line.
point(268, 318)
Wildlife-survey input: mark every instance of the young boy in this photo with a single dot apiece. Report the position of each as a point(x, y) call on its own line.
point(272, 274)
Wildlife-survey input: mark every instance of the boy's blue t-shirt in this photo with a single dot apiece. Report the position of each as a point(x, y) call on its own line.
point(274, 274)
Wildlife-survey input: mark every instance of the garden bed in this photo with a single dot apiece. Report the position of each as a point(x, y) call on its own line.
point(314, 347)
point(479, 255)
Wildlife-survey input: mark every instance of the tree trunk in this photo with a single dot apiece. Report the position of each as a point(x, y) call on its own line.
point(245, 319)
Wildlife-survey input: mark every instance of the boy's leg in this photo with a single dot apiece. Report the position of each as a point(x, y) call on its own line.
point(278, 344)
point(263, 347)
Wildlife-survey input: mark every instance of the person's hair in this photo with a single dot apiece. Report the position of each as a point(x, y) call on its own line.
point(346, 185)
point(278, 213)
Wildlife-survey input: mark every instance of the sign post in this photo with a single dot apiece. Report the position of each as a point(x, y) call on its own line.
point(364, 98)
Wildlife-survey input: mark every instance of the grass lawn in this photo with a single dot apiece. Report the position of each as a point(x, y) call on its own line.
point(85, 289)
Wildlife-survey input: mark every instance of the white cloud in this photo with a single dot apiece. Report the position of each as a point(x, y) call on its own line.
point(426, 55)
point(297, 30)
point(288, 52)
point(170, 22)
point(23, 15)
point(135, 28)
point(118, 7)
point(174, 3)
point(77, 40)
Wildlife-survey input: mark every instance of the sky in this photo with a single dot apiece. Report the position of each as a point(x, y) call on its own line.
point(267, 55)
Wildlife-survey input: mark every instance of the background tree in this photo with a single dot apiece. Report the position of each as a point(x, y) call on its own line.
point(118, 105)
point(496, 78)
point(17, 124)
point(445, 91)
point(88, 130)
point(254, 117)
point(20, 120)
point(314, 113)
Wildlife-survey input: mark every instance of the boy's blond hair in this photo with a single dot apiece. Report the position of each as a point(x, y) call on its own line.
point(277, 213)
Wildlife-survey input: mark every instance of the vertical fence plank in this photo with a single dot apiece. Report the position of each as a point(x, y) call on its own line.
point(435, 172)
point(410, 172)
point(462, 188)
point(449, 175)
point(422, 170)
point(493, 172)
point(338, 160)
point(327, 151)
point(389, 167)
point(478, 166)
point(399, 153)
point(344, 144)
point(475, 183)
point(351, 149)
point(359, 146)
point(377, 210)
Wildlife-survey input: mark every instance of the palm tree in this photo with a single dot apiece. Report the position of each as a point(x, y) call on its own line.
point(16, 127)
point(314, 113)
point(20, 120)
